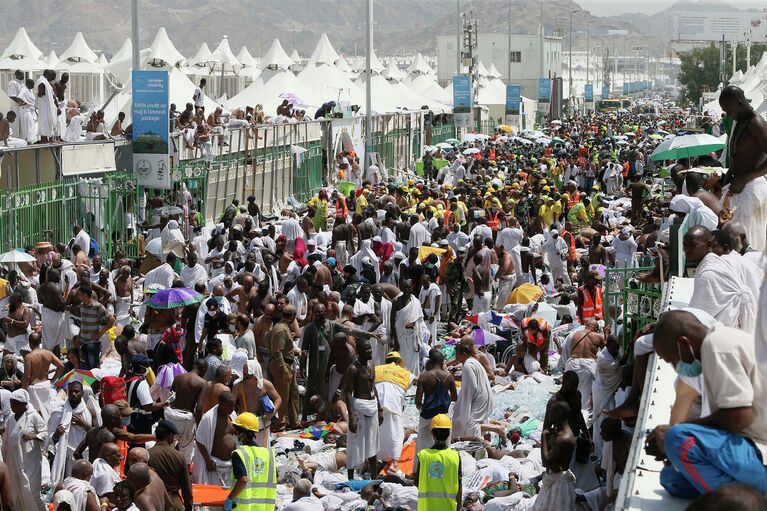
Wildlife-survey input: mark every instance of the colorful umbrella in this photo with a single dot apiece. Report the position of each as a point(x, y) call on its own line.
point(505, 128)
point(685, 146)
point(174, 298)
point(86, 377)
point(453, 141)
point(484, 337)
point(16, 256)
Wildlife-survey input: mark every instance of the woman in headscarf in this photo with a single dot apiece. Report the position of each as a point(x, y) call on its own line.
point(366, 250)
point(10, 375)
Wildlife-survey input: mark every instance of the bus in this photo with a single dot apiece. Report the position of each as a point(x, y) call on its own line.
point(612, 105)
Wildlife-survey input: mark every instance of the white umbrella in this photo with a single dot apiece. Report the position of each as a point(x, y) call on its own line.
point(471, 150)
point(630, 134)
point(444, 145)
point(533, 135)
point(522, 140)
point(543, 140)
point(16, 256)
point(556, 121)
point(621, 137)
point(621, 142)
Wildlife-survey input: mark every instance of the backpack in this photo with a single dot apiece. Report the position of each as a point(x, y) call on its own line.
point(93, 249)
point(114, 388)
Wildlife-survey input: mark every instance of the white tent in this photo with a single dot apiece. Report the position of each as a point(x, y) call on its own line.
point(102, 61)
point(266, 89)
point(328, 83)
point(360, 64)
point(428, 87)
point(493, 71)
point(201, 60)
point(53, 59)
point(86, 74)
point(79, 51)
point(22, 54)
point(119, 71)
point(324, 53)
point(343, 65)
point(295, 57)
point(419, 66)
point(250, 67)
point(276, 58)
point(392, 72)
point(163, 49)
point(126, 50)
point(245, 58)
point(223, 57)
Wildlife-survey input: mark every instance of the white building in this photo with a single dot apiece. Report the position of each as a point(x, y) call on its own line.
point(529, 58)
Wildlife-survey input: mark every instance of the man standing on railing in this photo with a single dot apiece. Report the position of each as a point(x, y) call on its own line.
point(199, 96)
point(729, 445)
point(747, 164)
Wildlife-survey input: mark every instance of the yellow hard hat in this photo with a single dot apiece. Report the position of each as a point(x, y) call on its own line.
point(515, 186)
point(247, 421)
point(542, 182)
point(441, 421)
point(393, 355)
point(546, 189)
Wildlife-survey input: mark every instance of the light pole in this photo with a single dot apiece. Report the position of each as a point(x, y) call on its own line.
point(588, 50)
point(570, 76)
point(134, 34)
point(508, 52)
point(368, 83)
point(458, 37)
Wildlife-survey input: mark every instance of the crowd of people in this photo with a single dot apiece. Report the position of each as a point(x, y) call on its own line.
point(356, 353)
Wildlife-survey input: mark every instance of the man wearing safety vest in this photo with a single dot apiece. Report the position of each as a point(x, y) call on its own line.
point(253, 470)
point(569, 237)
point(590, 299)
point(438, 476)
point(342, 210)
point(536, 334)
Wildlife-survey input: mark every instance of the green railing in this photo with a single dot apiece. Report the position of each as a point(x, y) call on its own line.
point(307, 177)
point(105, 208)
point(637, 303)
point(441, 133)
point(487, 126)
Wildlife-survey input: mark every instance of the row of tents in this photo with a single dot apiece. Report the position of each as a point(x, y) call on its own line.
point(238, 80)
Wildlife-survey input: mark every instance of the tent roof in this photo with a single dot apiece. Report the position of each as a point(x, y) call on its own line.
point(202, 58)
point(245, 58)
point(482, 70)
point(427, 87)
point(266, 91)
point(328, 83)
point(121, 69)
point(324, 53)
point(276, 56)
point(493, 71)
point(22, 46)
point(102, 61)
point(392, 72)
point(53, 59)
point(163, 49)
point(223, 54)
point(295, 57)
point(126, 50)
point(360, 64)
point(419, 65)
point(78, 51)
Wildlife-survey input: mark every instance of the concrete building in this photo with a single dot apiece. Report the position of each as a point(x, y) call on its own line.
point(529, 58)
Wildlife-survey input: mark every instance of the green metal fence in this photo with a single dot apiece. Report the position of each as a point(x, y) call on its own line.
point(104, 207)
point(637, 304)
point(442, 132)
point(486, 126)
point(307, 176)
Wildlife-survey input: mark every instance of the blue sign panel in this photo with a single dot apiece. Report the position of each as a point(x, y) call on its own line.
point(513, 99)
point(544, 90)
point(463, 99)
point(588, 92)
point(151, 91)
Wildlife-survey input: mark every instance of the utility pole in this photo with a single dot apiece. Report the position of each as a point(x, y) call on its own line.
point(570, 78)
point(134, 34)
point(734, 56)
point(458, 37)
point(588, 51)
point(508, 53)
point(368, 84)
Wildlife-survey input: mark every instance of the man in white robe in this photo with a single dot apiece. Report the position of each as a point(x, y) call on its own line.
point(193, 272)
point(14, 91)
point(25, 432)
point(382, 308)
point(66, 429)
point(750, 209)
point(106, 470)
point(27, 125)
point(47, 118)
point(603, 389)
point(163, 275)
point(409, 327)
point(205, 437)
point(555, 251)
point(718, 290)
point(475, 398)
point(418, 234)
point(392, 381)
point(749, 274)
point(80, 487)
point(430, 298)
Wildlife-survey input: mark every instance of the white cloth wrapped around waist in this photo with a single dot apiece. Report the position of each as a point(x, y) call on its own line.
point(367, 407)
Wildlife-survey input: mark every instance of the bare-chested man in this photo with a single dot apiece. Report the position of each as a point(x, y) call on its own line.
point(243, 295)
point(37, 364)
point(51, 297)
point(261, 299)
point(261, 327)
point(124, 295)
point(209, 396)
point(16, 324)
point(365, 412)
point(747, 164)
point(506, 276)
point(151, 494)
point(126, 346)
point(323, 276)
point(342, 241)
point(584, 347)
point(557, 444)
point(434, 384)
point(6, 487)
point(342, 355)
point(215, 443)
point(248, 392)
point(109, 432)
point(181, 412)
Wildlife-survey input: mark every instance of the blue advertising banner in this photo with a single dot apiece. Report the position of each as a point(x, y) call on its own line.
point(544, 90)
point(625, 88)
point(513, 98)
point(605, 92)
point(151, 162)
point(588, 92)
point(463, 99)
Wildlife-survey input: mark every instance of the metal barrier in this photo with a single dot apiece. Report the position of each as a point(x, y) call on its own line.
point(104, 207)
point(486, 126)
point(638, 304)
point(442, 132)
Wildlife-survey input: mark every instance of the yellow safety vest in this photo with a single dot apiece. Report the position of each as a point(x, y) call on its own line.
point(395, 374)
point(260, 494)
point(437, 479)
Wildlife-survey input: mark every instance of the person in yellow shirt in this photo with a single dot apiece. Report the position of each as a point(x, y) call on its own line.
point(491, 201)
point(362, 202)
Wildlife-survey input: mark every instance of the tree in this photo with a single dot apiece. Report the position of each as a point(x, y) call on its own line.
point(699, 71)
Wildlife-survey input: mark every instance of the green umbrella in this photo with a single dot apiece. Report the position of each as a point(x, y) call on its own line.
point(686, 146)
point(558, 140)
point(655, 136)
point(453, 141)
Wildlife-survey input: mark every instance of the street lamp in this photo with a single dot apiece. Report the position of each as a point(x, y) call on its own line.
point(570, 78)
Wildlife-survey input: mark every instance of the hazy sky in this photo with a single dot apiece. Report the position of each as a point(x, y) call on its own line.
point(610, 7)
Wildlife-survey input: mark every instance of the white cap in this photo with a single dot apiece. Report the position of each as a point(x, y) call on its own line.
point(377, 239)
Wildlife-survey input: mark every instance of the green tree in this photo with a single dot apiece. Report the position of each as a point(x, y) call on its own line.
point(699, 69)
